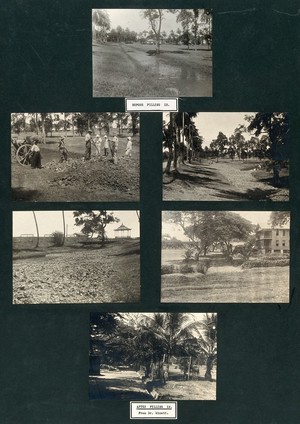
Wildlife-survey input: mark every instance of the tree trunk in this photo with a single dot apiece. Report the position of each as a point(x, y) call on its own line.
point(37, 230)
point(64, 225)
point(209, 367)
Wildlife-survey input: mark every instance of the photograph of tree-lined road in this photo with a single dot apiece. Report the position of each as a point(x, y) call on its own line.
point(161, 356)
point(152, 52)
point(225, 257)
point(76, 257)
point(82, 156)
point(226, 156)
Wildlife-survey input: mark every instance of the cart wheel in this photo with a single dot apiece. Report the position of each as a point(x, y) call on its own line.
point(23, 154)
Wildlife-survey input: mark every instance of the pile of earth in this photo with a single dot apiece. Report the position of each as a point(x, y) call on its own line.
point(123, 176)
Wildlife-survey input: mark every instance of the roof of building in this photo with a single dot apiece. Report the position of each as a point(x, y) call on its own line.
point(122, 228)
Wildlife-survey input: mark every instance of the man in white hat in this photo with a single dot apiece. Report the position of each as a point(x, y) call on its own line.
point(106, 145)
point(88, 145)
point(128, 147)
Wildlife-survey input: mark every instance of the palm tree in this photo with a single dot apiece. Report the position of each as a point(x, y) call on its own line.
point(37, 230)
point(208, 342)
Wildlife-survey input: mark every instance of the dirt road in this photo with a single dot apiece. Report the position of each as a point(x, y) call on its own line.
point(117, 385)
point(224, 180)
point(176, 71)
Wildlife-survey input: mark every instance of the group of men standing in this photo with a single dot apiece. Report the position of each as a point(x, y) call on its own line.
point(111, 145)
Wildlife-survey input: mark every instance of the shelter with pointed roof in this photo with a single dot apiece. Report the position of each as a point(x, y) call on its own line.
point(122, 232)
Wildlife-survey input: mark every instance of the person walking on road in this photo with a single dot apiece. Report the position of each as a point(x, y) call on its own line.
point(114, 149)
point(106, 145)
point(88, 145)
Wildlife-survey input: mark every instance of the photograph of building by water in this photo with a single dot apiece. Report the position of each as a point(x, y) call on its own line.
point(152, 52)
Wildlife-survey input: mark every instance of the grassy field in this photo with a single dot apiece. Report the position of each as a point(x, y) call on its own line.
point(121, 70)
point(228, 285)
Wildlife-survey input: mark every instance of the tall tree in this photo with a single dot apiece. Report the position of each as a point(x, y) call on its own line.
point(155, 17)
point(208, 342)
point(101, 25)
point(279, 218)
point(37, 230)
point(94, 222)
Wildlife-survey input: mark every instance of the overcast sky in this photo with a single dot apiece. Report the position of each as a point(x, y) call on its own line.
point(209, 124)
point(132, 18)
point(261, 218)
point(50, 221)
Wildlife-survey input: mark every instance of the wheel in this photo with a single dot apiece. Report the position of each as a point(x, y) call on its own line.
point(23, 154)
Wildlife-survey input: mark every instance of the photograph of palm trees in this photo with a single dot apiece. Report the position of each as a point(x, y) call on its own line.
point(161, 356)
point(226, 156)
point(225, 257)
point(90, 256)
point(152, 52)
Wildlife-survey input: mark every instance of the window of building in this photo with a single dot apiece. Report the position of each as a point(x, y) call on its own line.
point(283, 232)
point(277, 243)
point(277, 232)
point(283, 242)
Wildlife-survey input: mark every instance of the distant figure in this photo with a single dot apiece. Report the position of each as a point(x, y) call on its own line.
point(128, 147)
point(106, 145)
point(114, 149)
point(62, 149)
point(88, 145)
point(97, 143)
point(36, 155)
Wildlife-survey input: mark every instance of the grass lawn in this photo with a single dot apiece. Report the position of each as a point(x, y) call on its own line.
point(256, 285)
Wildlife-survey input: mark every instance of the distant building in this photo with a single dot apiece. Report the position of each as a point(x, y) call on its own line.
point(122, 232)
point(273, 240)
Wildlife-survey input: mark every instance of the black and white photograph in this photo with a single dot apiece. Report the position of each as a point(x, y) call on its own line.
point(152, 52)
point(76, 256)
point(225, 256)
point(235, 156)
point(75, 156)
point(146, 356)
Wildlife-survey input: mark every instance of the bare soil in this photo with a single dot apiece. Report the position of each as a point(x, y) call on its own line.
point(121, 70)
point(76, 180)
point(226, 285)
point(224, 180)
point(78, 275)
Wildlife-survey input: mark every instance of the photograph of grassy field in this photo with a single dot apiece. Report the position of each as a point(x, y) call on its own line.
point(225, 257)
point(152, 52)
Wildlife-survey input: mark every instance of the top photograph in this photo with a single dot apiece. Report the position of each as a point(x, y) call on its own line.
point(152, 52)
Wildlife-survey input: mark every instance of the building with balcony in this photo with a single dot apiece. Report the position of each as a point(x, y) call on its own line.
point(273, 240)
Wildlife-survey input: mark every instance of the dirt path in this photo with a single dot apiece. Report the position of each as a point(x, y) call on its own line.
point(223, 180)
point(117, 385)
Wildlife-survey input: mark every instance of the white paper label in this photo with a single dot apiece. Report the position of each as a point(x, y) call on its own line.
point(151, 105)
point(153, 410)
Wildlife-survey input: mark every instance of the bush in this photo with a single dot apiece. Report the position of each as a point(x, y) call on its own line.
point(186, 269)
point(167, 269)
point(203, 266)
point(57, 238)
point(266, 262)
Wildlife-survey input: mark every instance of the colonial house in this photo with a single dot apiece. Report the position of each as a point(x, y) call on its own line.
point(273, 240)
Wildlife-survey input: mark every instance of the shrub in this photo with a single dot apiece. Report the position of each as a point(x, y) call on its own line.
point(167, 269)
point(266, 262)
point(188, 255)
point(57, 238)
point(203, 266)
point(186, 269)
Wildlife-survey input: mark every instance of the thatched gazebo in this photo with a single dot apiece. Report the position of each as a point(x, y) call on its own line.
point(122, 232)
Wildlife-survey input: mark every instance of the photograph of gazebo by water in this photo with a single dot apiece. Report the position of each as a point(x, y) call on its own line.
point(152, 52)
point(225, 257)
point(146, 356)
point(86, 256)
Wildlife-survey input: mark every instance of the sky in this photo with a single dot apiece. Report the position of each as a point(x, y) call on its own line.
point(209, 124)
point(261, 218)
point(132, 19)
point(50, 221)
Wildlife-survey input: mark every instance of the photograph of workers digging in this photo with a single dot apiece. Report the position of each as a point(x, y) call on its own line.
point(146, 356)
point(162, 52)
point(226, 156)
point(75, 156)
